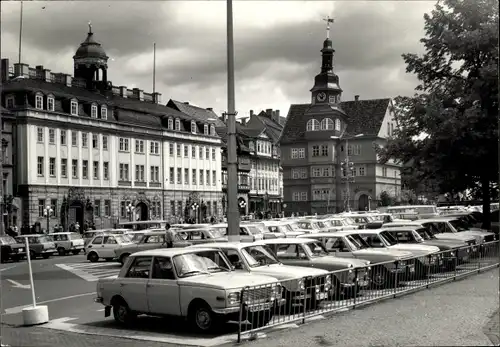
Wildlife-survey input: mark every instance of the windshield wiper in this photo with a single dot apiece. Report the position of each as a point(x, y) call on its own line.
point(195, 272)
point(217, 268)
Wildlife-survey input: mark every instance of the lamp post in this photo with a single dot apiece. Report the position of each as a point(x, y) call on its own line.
point(194, 207)
point(347, 167)
point(47, 213)
point(130, 209)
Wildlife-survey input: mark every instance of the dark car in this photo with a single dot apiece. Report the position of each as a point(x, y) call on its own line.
point(41, 245)
point(11, 249)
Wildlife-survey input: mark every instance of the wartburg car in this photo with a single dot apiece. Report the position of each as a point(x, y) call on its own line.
point(196, 284)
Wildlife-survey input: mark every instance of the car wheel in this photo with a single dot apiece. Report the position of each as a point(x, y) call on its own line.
point(61, 251)
point(380, 277)
point(123, 258)
point(122, 313)
point(93, 257)
point(45, 256)
point(202, 318)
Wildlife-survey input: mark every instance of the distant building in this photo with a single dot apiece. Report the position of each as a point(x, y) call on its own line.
point(311, 158)
point(103, 154)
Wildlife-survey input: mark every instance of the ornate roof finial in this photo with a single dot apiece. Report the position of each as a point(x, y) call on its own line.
point(90, 27)
point(328, 20)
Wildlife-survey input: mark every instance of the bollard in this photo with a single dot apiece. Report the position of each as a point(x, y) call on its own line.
point(36, 314)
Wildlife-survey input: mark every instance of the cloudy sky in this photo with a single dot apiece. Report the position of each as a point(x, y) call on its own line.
point(277, 46)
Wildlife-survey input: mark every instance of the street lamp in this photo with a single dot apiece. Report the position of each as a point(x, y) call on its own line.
point(347, 167)
point(130, 209)
point(47, 213)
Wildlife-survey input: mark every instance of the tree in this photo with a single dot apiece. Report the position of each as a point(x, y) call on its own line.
point(386, 199)
point(447, 132)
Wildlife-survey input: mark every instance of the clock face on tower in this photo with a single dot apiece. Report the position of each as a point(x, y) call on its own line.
point(321, 97)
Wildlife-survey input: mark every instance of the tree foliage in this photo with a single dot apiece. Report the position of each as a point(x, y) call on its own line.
point(448, 131)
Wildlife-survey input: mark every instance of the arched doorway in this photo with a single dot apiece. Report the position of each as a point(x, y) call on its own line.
point(363, 202)
point(141, 211)
point(76, 213)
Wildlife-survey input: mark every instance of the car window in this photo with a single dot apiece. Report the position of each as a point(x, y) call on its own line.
point(163, 269)
point(155, 239)
point(63, 237)
point(306, 226)
point(402, 236)
point(97, 240)
point(243, 231)
point(287, 251)
point(372, 240)
point(273, 229)
point(140, 268)
point(75, 236)
point(110, 240)
point(234, 258)
point(33, 240)
point(335, 243)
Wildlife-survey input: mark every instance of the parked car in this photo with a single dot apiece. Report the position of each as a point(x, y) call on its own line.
point(248, 232)
point(196, 284)
point(451, 225)
point(10, 249)
point(40, 245)
point(307, 226)
point(282, 229)
point(202, 235)
point(348, 244)
point(338, 224)
point(103, 246)
point(150, 240)
point(269, 229)
point(89, 234)
point(258, 259)
point(311, 253)
point(67, 242)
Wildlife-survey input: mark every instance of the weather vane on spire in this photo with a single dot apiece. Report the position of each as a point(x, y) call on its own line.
point(328, 20)
point(90, 27)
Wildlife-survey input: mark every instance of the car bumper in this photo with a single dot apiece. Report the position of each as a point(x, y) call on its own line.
point(250, 308)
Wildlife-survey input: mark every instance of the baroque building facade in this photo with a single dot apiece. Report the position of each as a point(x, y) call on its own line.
point(94, 152)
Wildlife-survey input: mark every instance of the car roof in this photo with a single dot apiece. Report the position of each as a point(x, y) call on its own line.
point(212, 245)
point(315, 235)
point(31, 235)
point(409, 223)
point(169, 252)
point(403, 227)
point(291, 241)
point(437, 219)
point(62, 233)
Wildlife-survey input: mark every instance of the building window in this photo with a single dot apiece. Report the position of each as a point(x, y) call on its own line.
point(193, 127)
point(251, 146)
point(295, 153)
point(74, 168)
point(74, 108)
point(193, 151)
point(104, 112)
point(179, 175)
point(303, 196)
point(384, 171)
point(97, 208)
point(186, 151)
point(362, 170)
point(52, 167)
point(85, 140)
point(95, 141)
point(186, 176)
point(74, 138)
point(214, 177)
point(53, 206)
point(139, 173)
point(172, 177)
point(172, 208)
point(39, 166)
point(52, 136)
point(155, 174)
point(178, 148)
point(207, 153)
point(50, 103)
point(201, 153)
point(64, 167)
point(213, 153)
point(93, 111)
point(105, 143)
point(139, 146)
point(105, 170)
point(170, 124)
point(296, 196)
point(123, 144)
point(337, 124)
point(123, 172)
point(107, 208)
point(39, 102)
point(327, 124)
point(178, 124)
point(205, 129)
point(39, 134)
point(207, 177)
point(63, 137)
point(194, 176)
point(316, 172)
point(312, 125)
point(95, 167)
point(302, 153)
point(324, 150)
point(295, 174)
point(41, 207)
point(201, 177)
point(315, 151)
point(331, 99)
point(10, 102)
point(357, 149)
point(85, 169)
point(212, 130)
point(154, 147)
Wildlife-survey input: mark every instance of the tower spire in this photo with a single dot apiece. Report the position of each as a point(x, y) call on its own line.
point(90, 27)
point(328, 20)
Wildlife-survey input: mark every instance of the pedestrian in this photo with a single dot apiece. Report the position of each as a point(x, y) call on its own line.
point(169, 236)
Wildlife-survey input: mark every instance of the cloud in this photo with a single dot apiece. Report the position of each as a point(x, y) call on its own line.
point(276, 44)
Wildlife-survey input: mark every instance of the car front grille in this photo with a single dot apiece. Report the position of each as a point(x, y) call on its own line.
point(318, 282)
point(257, 295)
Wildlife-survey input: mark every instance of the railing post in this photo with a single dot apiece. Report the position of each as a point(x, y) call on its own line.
point(396, 263)
point(356, 285)
point(313, 294)
point(427, 270)
point(242, 306)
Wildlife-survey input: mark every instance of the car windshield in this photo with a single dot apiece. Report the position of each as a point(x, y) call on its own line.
point(388, 238)
point(42, 239)
point(357, 242)
point(122, 239)
point(214, 233)
point(259, 256)
point(349, 221)
point(315, 249)
point(7, 240)
point(261, 227)
point(203, 262)
point(253, 230)
point(417, 236)
point(458, 225)
point(75, 237)
point(135, 237)
point(424, 234)
point(294, 226)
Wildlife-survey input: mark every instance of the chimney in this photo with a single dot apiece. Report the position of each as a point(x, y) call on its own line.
point(276, 116)
point(5, 70)
point(251, 113)
point(356, 97)
point(47, 76)
point(157, 98)
point(269, 112)
point(123, 91)
point(138, 93)
point(68, 79)
point(21, 70)
point(210, 109)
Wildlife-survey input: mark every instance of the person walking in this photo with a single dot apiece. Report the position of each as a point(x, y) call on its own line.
point(169, 236)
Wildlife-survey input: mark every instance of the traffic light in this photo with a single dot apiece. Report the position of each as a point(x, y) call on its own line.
point(343, 168)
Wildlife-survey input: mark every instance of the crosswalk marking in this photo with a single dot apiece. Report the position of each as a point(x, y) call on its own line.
point(91, 272)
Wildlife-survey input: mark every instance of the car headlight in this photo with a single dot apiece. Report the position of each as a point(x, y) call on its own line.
point(452, 254)
point(302, 285)
point(233, 298)
point(402, 263)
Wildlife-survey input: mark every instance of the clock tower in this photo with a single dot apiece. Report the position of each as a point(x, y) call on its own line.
point(326, 89)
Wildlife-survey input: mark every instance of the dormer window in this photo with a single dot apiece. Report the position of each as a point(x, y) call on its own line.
point(10, 102)
point(178, 124)
point(93, 111)
point(193, 127)
point(170, 124)
point(51, 103)
point(327, 124)
point(104, 112)
point(74, 108)
point(212, 130)
point(337, 124)
point(205, 129)
point(39, 102)
point(312, 125)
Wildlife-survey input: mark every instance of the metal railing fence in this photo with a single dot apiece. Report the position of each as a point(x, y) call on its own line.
point(303, 298)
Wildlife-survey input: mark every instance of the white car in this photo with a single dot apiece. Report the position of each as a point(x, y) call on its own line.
point(103, 246)
point(442, 225)
point(67, 242)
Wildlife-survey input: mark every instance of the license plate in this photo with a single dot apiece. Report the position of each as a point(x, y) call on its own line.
point(321, 296)
point(260, 307)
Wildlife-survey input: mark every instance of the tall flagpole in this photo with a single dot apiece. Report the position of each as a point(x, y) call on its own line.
point(154, 68)
point(20, 31)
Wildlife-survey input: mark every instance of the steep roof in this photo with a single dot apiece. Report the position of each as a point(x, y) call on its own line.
point(197, 113)
point(363, 117)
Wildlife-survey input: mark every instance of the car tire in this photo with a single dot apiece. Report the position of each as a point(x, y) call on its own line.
point(380, 277)
point(45, 256)
point(61, 251)
point(202, 318)
point(122, 313)
point(93, 257)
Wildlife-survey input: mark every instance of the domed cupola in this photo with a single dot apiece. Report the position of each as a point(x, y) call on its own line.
point(89, 59)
